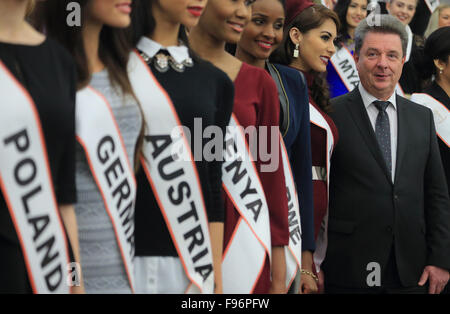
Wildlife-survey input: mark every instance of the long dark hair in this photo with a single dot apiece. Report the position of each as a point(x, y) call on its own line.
point(114, 50)
point(143, 23)
point(437, 46)
point(310, 18)
point(51, 15)
point(341, 9)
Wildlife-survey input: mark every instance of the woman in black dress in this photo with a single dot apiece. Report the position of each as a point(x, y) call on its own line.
point(196, 92)
point(42, 75)
point(436, 63)
point(435, 68)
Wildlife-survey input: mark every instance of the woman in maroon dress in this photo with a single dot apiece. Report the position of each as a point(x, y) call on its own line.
point(256, 104)
point(308, 46)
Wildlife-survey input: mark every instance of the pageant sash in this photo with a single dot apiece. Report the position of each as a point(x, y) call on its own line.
point(98, 134)
point(293, 251)
point(432, 4)
point(410, 42)
point(322, 239)
point(26, 184)
point(250, 244)
point(345, 67)
point(172, 174)
point(441, 115)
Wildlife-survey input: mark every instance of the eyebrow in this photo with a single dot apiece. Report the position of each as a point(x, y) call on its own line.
point(328, 33)
point(259, 14)
point(377, 50)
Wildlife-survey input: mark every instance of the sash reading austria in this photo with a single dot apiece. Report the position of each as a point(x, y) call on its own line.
point(322, 240)
point(27, 187)
point(345, 67)
point(173, 178)
point(250, 244)
point(441, 115)
point(98, 134)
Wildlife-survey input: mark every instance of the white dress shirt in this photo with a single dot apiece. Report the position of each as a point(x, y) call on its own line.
point(391, 110)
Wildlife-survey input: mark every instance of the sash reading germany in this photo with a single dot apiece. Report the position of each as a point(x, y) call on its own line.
point(98, 134)
point(173, 178)
point(26, 184)
point(441, 115)
point(294, 249)
point(322, 241)
point(250, 244)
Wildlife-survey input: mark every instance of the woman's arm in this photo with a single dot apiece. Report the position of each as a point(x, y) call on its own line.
point(70, 222)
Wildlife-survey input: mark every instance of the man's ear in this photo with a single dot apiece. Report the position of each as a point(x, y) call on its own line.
point(356, 57)
point(295, 35)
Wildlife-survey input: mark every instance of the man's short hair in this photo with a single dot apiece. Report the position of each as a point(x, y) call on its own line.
point(380, 23)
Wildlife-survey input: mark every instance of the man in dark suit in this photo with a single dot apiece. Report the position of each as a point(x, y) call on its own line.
point(389, 211)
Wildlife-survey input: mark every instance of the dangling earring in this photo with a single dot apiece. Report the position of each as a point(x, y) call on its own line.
point(440, 71)
point(296, 52)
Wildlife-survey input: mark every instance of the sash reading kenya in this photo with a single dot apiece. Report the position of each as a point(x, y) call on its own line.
point(345, 66)
point(173, 178)
point(294, 250)
point(322, 241)
point(441, 115)
point(27, 187)
point(250, 244)
point(99, 135)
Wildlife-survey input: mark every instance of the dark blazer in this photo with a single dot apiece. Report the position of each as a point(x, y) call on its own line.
point(368, 213)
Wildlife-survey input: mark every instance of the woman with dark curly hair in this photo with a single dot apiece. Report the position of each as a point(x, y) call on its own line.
point(307, 46)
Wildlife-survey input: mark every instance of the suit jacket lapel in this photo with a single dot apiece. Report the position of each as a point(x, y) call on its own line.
point(402, 134)
point(359, 114)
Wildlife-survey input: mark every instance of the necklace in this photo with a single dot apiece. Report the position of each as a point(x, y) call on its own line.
point(162, 61)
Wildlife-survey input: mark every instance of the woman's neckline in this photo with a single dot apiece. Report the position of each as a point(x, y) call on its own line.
point(25, 44)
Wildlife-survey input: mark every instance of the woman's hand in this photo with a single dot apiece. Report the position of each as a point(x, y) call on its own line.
point(307, 285)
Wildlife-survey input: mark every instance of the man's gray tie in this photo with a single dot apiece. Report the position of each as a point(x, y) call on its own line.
point(383, 132)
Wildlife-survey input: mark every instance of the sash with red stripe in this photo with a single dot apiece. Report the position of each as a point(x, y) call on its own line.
point(168, 164)
point(250, 245)
point(26, 184)
point(98, 134)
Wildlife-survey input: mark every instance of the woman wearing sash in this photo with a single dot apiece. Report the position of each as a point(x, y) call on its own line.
point(37, 122)
point(108, 126)
point(266, 29)
point(436, 63)
point(307, 47)
point(176, 253)
point(404, 11)
point(439, 18)
point(256, 105)
point(339, 76)
point(436, 94)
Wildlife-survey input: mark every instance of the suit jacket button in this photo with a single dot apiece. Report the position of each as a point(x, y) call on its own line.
point(389, 229)
point(396, 197)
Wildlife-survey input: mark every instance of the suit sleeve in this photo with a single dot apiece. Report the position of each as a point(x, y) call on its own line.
point(437, 206)
point(301, 161)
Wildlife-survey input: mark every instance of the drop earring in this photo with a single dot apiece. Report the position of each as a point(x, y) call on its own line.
point(440, 71)
point(296, 52)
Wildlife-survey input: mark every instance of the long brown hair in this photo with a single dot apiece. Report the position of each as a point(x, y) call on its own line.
point(310, 18)
point(114, 49)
